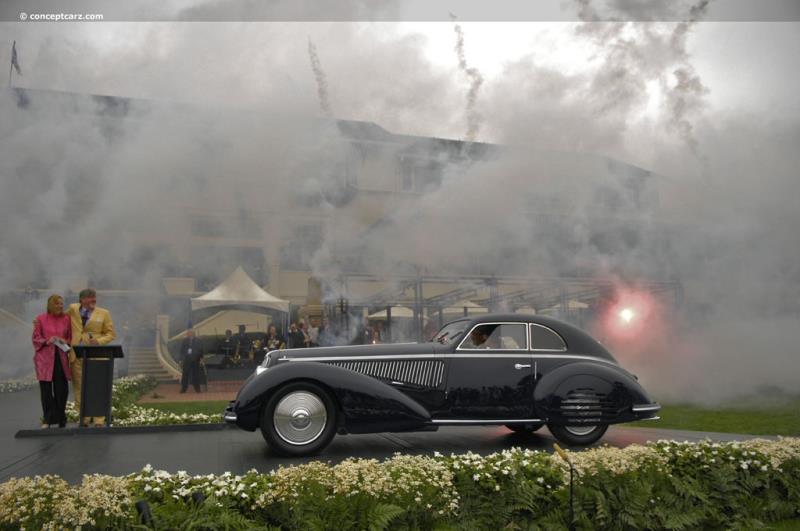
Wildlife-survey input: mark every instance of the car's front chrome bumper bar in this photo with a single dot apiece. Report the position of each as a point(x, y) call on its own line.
point(645, 408)
point(229, 415)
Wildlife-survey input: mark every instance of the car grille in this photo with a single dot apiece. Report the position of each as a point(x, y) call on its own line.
point(588, 406)
point(422, 373)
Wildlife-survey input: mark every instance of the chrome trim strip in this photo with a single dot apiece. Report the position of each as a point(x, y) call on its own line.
point(645, 407)
point(229, 416)
point(522, 354)
point(475, 354)
point(532, 356)
point(485, 421)
point(576, 357)
point(364, 358)
point(649, 418)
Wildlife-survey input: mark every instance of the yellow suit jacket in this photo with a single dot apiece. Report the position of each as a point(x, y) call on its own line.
point(99, 325)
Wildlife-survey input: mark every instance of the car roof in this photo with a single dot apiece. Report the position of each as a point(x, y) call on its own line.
point(578, 341)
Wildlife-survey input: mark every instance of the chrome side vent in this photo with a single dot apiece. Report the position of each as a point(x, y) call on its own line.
point(418, 373)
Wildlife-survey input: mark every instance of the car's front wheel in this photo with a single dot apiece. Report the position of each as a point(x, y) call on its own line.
point(578, 435)
point(525, 428)
point(299, 419)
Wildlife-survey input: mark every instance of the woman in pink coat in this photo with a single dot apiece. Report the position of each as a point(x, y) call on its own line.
point(50, 330)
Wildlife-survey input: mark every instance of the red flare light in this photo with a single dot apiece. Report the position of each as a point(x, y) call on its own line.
point(630, 315)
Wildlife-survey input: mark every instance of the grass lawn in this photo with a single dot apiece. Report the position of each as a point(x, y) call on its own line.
point(777, 419)
point(211, 407)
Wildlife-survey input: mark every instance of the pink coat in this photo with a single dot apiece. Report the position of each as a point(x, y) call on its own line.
point(44, 327)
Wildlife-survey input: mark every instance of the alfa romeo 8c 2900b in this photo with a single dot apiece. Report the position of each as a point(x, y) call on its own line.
point(521, 371)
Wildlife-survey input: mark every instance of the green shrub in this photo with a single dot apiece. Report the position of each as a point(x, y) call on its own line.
point(664, 485)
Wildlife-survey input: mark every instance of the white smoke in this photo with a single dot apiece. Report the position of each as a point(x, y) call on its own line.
point(475, 82)
point(79, 189)
point(321, 79)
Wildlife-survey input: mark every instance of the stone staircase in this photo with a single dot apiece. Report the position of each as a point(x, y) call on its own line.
point(145, 361)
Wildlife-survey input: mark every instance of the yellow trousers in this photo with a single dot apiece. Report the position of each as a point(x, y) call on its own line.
point(76, 366)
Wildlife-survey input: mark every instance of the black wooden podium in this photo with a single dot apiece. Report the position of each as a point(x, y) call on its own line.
point(97, 380)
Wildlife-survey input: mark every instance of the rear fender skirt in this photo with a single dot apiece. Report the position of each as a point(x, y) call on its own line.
point(589, 393)
point(367, 404)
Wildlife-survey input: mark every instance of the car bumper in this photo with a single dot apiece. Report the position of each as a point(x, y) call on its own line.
point(229, 415)
point(646, 408)
point(645, 411)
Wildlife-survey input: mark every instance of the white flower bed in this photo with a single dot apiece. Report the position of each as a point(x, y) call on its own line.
point(662, 485)
point(126, 412)
point(144, 416)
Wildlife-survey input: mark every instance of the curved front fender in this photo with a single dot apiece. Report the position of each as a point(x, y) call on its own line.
point(591, 393)
point(366, 404)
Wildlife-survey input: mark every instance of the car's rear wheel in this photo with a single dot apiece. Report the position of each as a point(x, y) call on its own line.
point(299, 419)
point(578, 435)
point(530, 427)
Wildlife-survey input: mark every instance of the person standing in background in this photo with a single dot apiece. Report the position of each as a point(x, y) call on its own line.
point(52, 335)
point(313, 332)
point(191, 354)
point(296, 337)
point(91, 325)
point(274, 340)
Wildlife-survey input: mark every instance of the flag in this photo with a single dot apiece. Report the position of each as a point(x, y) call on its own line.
point(14, 60)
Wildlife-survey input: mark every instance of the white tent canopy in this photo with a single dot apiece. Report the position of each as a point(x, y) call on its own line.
point(239, 289)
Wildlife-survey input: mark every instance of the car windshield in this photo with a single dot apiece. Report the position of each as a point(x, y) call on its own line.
point(450, 332)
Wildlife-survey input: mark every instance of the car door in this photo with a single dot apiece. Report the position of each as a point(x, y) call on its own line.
point(490, 375)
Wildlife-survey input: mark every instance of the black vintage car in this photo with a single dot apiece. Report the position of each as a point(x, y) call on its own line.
point(517, 370)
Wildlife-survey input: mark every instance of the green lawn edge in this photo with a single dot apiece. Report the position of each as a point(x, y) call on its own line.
point(781, 419)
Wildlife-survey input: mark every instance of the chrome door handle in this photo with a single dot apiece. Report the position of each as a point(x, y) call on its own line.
point(519, 366)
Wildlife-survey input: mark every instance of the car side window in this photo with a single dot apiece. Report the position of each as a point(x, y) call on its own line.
point(543, 338)
point(496, 336)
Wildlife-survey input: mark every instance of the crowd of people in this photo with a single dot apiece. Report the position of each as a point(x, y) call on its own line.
point(316, 334)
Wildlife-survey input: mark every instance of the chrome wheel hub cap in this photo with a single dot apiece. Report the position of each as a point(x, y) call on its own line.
point(300, 418)
point(580, 430)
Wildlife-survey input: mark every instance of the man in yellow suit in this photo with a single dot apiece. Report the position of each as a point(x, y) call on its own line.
point(91, 325)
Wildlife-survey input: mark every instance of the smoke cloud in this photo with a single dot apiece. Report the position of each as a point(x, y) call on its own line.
point(475, 82)
point(319, 76)
point(222, 142)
